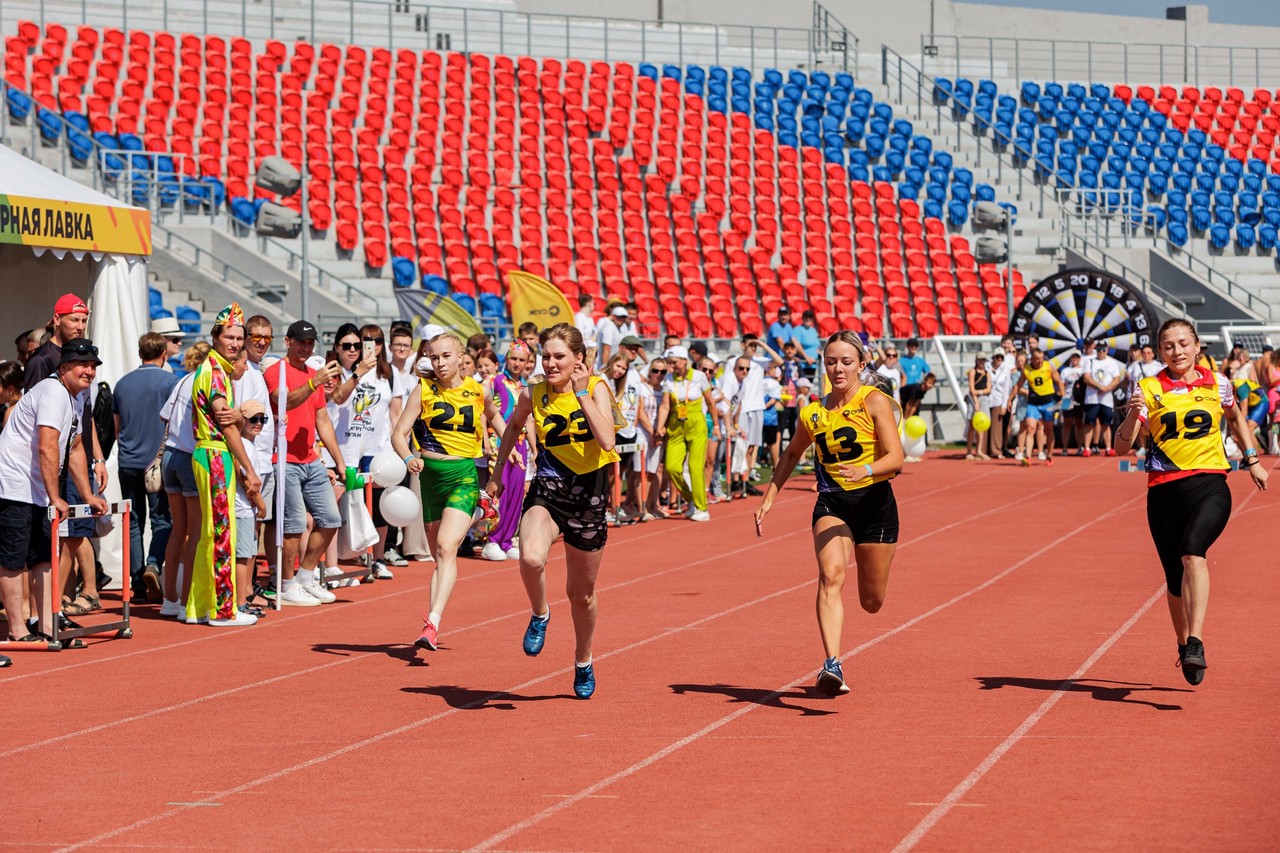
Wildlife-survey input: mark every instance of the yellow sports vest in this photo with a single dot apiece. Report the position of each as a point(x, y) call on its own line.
point(451, 419)
point(844, 436)
point(564, 434)
point(1185, 422)
point(1040, 389)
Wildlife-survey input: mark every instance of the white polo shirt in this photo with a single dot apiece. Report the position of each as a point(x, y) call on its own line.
point(47, 404)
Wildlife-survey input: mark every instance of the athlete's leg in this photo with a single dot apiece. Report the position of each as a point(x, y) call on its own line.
point(874, 560)
point(537, 532)
point(833, 545)
point(1178, 613)
point(446, 537)
point(1195, 593)
point(580, 587)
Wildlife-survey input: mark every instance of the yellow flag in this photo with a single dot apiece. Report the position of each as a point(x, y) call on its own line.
point(536, 300)
point(420, 307)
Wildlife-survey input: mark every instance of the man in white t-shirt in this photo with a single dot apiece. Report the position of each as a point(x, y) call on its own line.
point(744, 386)
point(1001, 386)
point(1102, 376)
point(39, 440)
point(609, 334)
point(584, 320)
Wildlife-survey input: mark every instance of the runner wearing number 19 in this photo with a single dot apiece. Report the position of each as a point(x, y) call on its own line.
point(854, 428)
point(573, 418)
point(447, 420)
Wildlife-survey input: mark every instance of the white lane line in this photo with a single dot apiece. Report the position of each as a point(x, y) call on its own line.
point(516, 828)
point(957, 793)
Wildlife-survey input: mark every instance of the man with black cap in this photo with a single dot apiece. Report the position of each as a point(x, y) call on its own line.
point(308, 486)
point(36, 446)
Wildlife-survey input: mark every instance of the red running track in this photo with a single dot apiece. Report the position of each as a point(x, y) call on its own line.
point(1016, 692)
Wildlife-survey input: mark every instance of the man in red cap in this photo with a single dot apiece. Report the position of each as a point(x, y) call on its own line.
point(70, 321)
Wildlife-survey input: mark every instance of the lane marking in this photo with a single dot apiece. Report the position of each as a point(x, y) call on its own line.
point(516, 828)
point(957, 793)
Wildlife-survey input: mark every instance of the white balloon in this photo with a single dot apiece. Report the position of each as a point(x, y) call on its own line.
point(915, 446)
point(400, 506)
point(387, 469)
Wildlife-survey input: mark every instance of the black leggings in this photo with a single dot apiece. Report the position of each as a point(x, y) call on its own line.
point(1185, 517)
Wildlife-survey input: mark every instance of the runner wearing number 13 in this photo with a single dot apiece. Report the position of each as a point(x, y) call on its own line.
point(573, 419)
point(854, 427)
point(447, 419)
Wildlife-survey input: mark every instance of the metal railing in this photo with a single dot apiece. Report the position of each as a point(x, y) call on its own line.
point(1102, 61)
point(207, 261)
point(424, 26)
point(1091, 214)
point(1079, 242)
point(337, 284)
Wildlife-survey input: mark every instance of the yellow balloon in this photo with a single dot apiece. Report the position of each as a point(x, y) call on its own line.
point(981, 421)
point(915, 426)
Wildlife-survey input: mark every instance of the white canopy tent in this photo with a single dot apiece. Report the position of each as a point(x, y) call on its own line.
point(58, 236)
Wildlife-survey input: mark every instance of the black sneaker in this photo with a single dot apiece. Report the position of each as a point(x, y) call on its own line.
point(754, 492)
point(1192, 661)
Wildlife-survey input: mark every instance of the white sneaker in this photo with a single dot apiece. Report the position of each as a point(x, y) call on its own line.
point(492, 551)
point(1042, 457)
point(313, 588)
point(700, 515)
point(691, 511)
point(237, 621)
point(199, 620)
point(295, 595)
point(513, 553)
point(172, 608)
point(331, 571)
point(380, 571)
point(392, 558)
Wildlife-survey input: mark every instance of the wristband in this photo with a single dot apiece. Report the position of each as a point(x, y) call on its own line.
point(868, 467)
point(311, 383)
point(104, 462)
point(582, 393)
point(1250, 453)
point(409, 459)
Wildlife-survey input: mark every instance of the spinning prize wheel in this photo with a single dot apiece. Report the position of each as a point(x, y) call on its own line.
point(1076, 304)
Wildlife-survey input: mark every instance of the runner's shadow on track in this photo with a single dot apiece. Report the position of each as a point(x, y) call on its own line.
point(758, 696)
point(466, 699)
point(400, 651)
point(1103, 691)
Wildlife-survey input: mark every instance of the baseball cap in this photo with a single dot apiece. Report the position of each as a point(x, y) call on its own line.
point(249, 408)
point(69, 303)
point(630, 341)
point(677, 352)
point(619, 311)
point(913, 342)
point(79, 349)
point(430, 330)
point(997, 354)
point(301, 330)
point(167, 326)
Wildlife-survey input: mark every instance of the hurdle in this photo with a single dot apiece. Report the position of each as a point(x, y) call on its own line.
point(70, 638)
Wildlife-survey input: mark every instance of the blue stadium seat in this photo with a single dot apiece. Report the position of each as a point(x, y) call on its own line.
point(465, 300)
point(243, 211)
point(435, 284)
point(403, 272)
point(1219, 236)
point(1177, 233)
point(957, 213)
point(1201, 218)
point(1245, 236)
point(188, 319)
point(1266, 237)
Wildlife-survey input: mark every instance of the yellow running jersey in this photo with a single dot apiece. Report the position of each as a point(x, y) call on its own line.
point(451, 418)
point(1040, 388)
point(844, 436)
point(1185, 422)
point(565, 441)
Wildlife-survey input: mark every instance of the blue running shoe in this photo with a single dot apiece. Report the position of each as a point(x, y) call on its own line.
point(584, 681)
point(536, 634)
point(831, 679)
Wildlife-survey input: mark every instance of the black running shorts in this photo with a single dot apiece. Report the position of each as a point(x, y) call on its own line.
point(1186, 516)
point(871, 514)
point(577, 504)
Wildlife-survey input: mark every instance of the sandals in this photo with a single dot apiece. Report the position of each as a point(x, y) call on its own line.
point(33, 637)
point(75, 608)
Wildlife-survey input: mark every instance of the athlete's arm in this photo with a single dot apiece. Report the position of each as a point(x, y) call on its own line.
point(1134, 423)
point(1060, 387)
point(1243, 434)
point(401, 429)
point(881, 410)
point(524, 408)
point(786, 464)
point(598, 407)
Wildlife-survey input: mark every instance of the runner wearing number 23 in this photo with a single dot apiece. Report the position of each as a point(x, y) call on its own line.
point(855, 431)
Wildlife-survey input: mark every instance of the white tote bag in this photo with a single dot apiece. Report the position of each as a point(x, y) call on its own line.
point(357, 533)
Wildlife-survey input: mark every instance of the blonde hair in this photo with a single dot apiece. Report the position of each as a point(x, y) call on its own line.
point(195, 356)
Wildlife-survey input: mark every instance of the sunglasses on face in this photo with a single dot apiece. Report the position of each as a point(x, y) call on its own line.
point(355, 345)
point(257, 339)
point(740, 367)
point(657, 371)
point(708, 370)
point(177, 341)
point(374, 340)
point(260, 420)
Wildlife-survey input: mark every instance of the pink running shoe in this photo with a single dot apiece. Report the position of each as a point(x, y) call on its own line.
point(427, 639)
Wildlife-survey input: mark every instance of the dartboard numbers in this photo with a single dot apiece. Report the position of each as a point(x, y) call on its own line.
point(848, 450)
point(1196, 423)
point(443, 421)
point(563, 431)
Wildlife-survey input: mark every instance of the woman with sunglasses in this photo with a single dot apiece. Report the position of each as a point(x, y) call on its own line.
point(504, 389)
point(856, 434)
point(686, 401)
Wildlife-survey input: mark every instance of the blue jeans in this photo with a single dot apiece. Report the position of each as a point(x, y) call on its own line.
point(133, 488)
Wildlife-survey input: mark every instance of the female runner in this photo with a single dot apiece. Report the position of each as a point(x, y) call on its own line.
point(446, 416)
point(573, 417)
point(859, 451)
point(1182, 408)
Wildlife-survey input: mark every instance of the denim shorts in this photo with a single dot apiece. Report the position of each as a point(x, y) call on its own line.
point(176, 474)
point(308, 490)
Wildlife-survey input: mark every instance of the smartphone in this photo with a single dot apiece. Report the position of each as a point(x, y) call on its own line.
point(370, 349)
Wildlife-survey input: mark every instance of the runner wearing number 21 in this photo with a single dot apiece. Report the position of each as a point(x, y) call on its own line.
point(573, 419)
point(447, 420)
point(855, 430)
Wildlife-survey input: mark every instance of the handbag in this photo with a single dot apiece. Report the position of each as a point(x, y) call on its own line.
point(357, 533)
point(152, 477)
